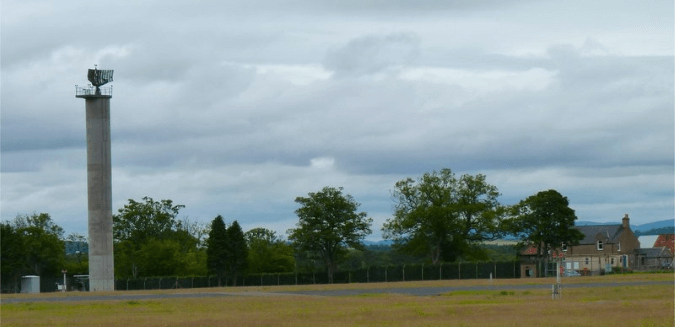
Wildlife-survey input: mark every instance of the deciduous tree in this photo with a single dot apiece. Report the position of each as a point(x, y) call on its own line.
point(442, 215)
point(546, 221)
point(328, 223)
point(12, 257)
point(147, 230)
point(43, 245)
point(267, 253)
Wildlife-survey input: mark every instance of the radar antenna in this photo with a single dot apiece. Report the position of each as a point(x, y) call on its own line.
point(99, 77)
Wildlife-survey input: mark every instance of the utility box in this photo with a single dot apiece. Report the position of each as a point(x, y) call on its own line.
point(30, 284)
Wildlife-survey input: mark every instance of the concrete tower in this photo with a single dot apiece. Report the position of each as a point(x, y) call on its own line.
point(99, 185)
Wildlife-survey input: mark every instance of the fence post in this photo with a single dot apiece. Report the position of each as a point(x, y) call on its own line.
point(192, 283)
point(146, 278)
point(159, 286)
point(296, 278)
point(404, 273)
point(385, 274)
point(422, 271)
point(278, 280)
point(495, 269)
point(127, 284)
point(440, 271)
point(514, 269)
point(368, 275)
point(261, 278)
point(459, 270)
point(476, 271)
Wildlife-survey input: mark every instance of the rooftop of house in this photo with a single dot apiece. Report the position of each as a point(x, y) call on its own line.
point(610, 232)
point(653, 252)
point(648, 241)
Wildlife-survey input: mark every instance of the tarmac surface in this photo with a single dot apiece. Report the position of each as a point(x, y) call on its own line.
point(415, 291)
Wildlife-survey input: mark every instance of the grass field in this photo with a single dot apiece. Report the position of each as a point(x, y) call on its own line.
point(644, 305)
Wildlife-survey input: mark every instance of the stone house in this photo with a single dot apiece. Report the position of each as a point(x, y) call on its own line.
point(603, 247)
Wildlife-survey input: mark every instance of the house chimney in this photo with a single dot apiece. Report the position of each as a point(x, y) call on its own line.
point(625, 222)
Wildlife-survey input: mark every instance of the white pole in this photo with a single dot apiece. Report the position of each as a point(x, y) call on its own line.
point(557, 268)
point(64, 279)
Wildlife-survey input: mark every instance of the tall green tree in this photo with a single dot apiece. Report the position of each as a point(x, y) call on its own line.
point(546, 221)
point(149, 230)
point(329, 223)
point(217, 248)
point(444, 216)
point(12, 257)
point(238, 260)
point(268, 253)
point(43, 245)
point(140, 221)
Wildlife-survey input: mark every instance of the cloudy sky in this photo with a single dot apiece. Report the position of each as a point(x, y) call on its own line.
point(237, 107)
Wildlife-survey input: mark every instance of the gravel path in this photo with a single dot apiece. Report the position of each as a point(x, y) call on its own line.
point(417, 291)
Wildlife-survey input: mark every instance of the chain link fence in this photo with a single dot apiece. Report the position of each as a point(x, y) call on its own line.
point(445, 271)
point(414, 272)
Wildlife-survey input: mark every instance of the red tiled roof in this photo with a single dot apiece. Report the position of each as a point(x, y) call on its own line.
point(530, 250)
point(667, 241)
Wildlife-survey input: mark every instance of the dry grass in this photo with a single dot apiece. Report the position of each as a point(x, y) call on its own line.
point(650, 305)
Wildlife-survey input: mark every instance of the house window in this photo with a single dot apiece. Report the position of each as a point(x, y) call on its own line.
point(564, 247)
point(599, 243)
point(612, 261)
point(618, 246)
point(586, 260)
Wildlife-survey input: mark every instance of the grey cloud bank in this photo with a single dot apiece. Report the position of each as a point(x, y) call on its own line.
point(236, 108)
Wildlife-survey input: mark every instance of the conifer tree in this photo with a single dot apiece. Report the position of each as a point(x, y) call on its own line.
point(238, 260)
point(217, 251)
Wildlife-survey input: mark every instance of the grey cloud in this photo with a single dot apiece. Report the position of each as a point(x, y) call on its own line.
point(191, 114)
point(373, 53)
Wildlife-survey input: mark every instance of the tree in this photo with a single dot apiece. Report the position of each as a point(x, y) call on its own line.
point(238, 259)
point(217, 250)
point(145, 231)
point(328, 224)
point(443, 216)
point(43, 246)
point(139, 221)
point(12, 254)
point(267, 253)
point(545, 220)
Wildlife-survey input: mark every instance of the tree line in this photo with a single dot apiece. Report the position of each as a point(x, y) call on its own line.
point(438, 217)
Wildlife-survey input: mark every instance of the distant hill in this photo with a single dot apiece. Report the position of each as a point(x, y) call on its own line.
point(588, 223)
point(383, 242)
point(73, 247)
point(635, 228)
point(655, 225)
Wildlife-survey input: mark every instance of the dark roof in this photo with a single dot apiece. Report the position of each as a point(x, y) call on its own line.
point(653, 252)
point(609, 232)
